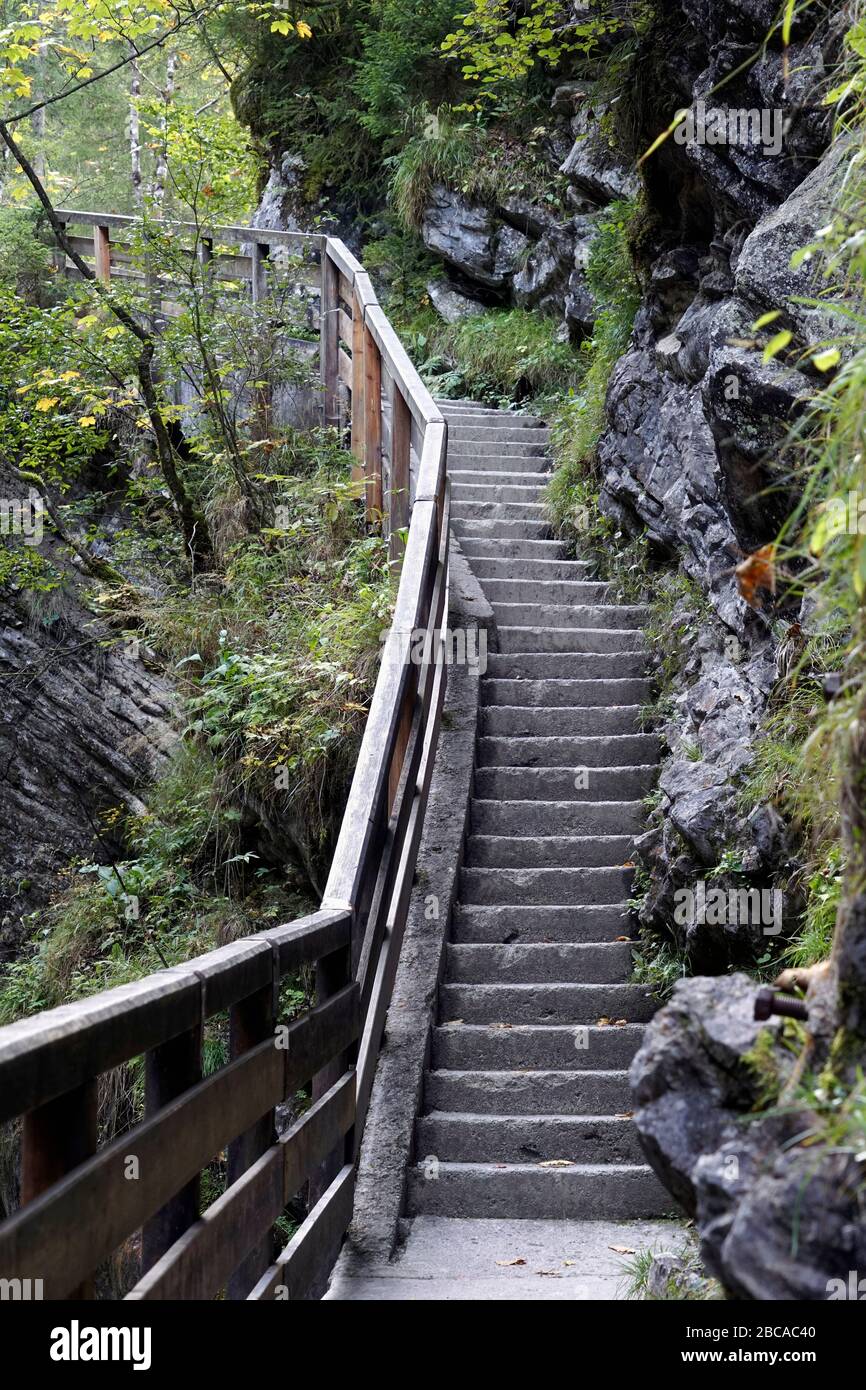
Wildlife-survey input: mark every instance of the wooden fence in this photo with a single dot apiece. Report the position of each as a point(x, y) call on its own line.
point(80, 1201)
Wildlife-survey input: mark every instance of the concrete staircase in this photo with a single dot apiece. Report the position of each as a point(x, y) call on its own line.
point(526, 1100)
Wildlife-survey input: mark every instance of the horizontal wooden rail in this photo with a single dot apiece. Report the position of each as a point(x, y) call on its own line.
point(81, 1202)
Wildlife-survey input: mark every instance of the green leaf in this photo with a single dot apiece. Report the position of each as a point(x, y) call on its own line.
point(777, 344)
point(802, 255)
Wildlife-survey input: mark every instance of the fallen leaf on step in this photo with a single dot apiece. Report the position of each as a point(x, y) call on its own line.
point(557, 1163)
point(507, 1264)
point(625, 1115)
point(629, 864)
point(620, 1023)
point(622, 1249)
point(603, 1022)
point(568, 1263)
point(622, 938)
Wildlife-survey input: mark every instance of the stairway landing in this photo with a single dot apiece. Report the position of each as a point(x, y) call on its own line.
point(447, 1260)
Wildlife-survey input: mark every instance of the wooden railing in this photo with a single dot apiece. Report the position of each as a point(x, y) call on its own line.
point(81, 1202)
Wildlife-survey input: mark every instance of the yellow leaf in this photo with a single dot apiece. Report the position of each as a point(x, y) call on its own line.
point(304, 30)
point(87, 420)
point(765, 319)
point(825, 360)
point(69, 376)
point(46, 403)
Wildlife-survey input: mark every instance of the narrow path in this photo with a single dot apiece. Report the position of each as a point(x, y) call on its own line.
point(525, 1136)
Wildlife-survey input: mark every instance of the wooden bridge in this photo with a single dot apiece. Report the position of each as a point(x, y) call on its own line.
point(80, 1201)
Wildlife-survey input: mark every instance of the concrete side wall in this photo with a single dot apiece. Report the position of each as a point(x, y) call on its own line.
point(396, 1096)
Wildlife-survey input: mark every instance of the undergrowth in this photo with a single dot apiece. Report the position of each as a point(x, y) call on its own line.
point(275, 667)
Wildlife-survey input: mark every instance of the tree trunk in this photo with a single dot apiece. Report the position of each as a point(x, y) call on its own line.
point(160, 177)
point(135, 134)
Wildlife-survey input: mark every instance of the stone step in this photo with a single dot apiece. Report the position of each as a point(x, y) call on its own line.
point(494, 922)
point(493, 447)
point(568, 639)
point(517, 568)
point(617, 750)
point(620, 617)
point(522, 589)
point(541, 665)
point(498, 463)
point(462, 409)
point(615, 692)
point(494, 432)
point(563, 721)
point(520, 494)
point(489, 509)
point(579, 963)
point(484, 477)
point(469, 1138)
point(543, 1003)
point(547, 851)
point(478, 416)
point(586, 1192)
point(481, 547)
point(564, 784)
point(486, 529)
point(534, 886)
point(603, 1092)
point(548, 1047)
point(551, 817)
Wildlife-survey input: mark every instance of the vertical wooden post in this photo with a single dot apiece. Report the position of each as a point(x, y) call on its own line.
point(259, 281)
point(205, 258)
point(333, 973)
point(55, 1138)
point(169, 1070)
point(329, 340)
point(102, 253)
point(398, 496)
point(251, 1021)
point(401, 742)
point(358, 379)
point(60, 257)
point(261, 394)
point(372, 425)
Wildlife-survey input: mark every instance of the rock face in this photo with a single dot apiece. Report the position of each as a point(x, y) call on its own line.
point(533, 254)
point(777, 1219)
point(82, 728)
point(470, 239)
point(694, 416)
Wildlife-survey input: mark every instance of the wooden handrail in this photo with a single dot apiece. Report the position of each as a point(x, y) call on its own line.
point(78, 1205)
